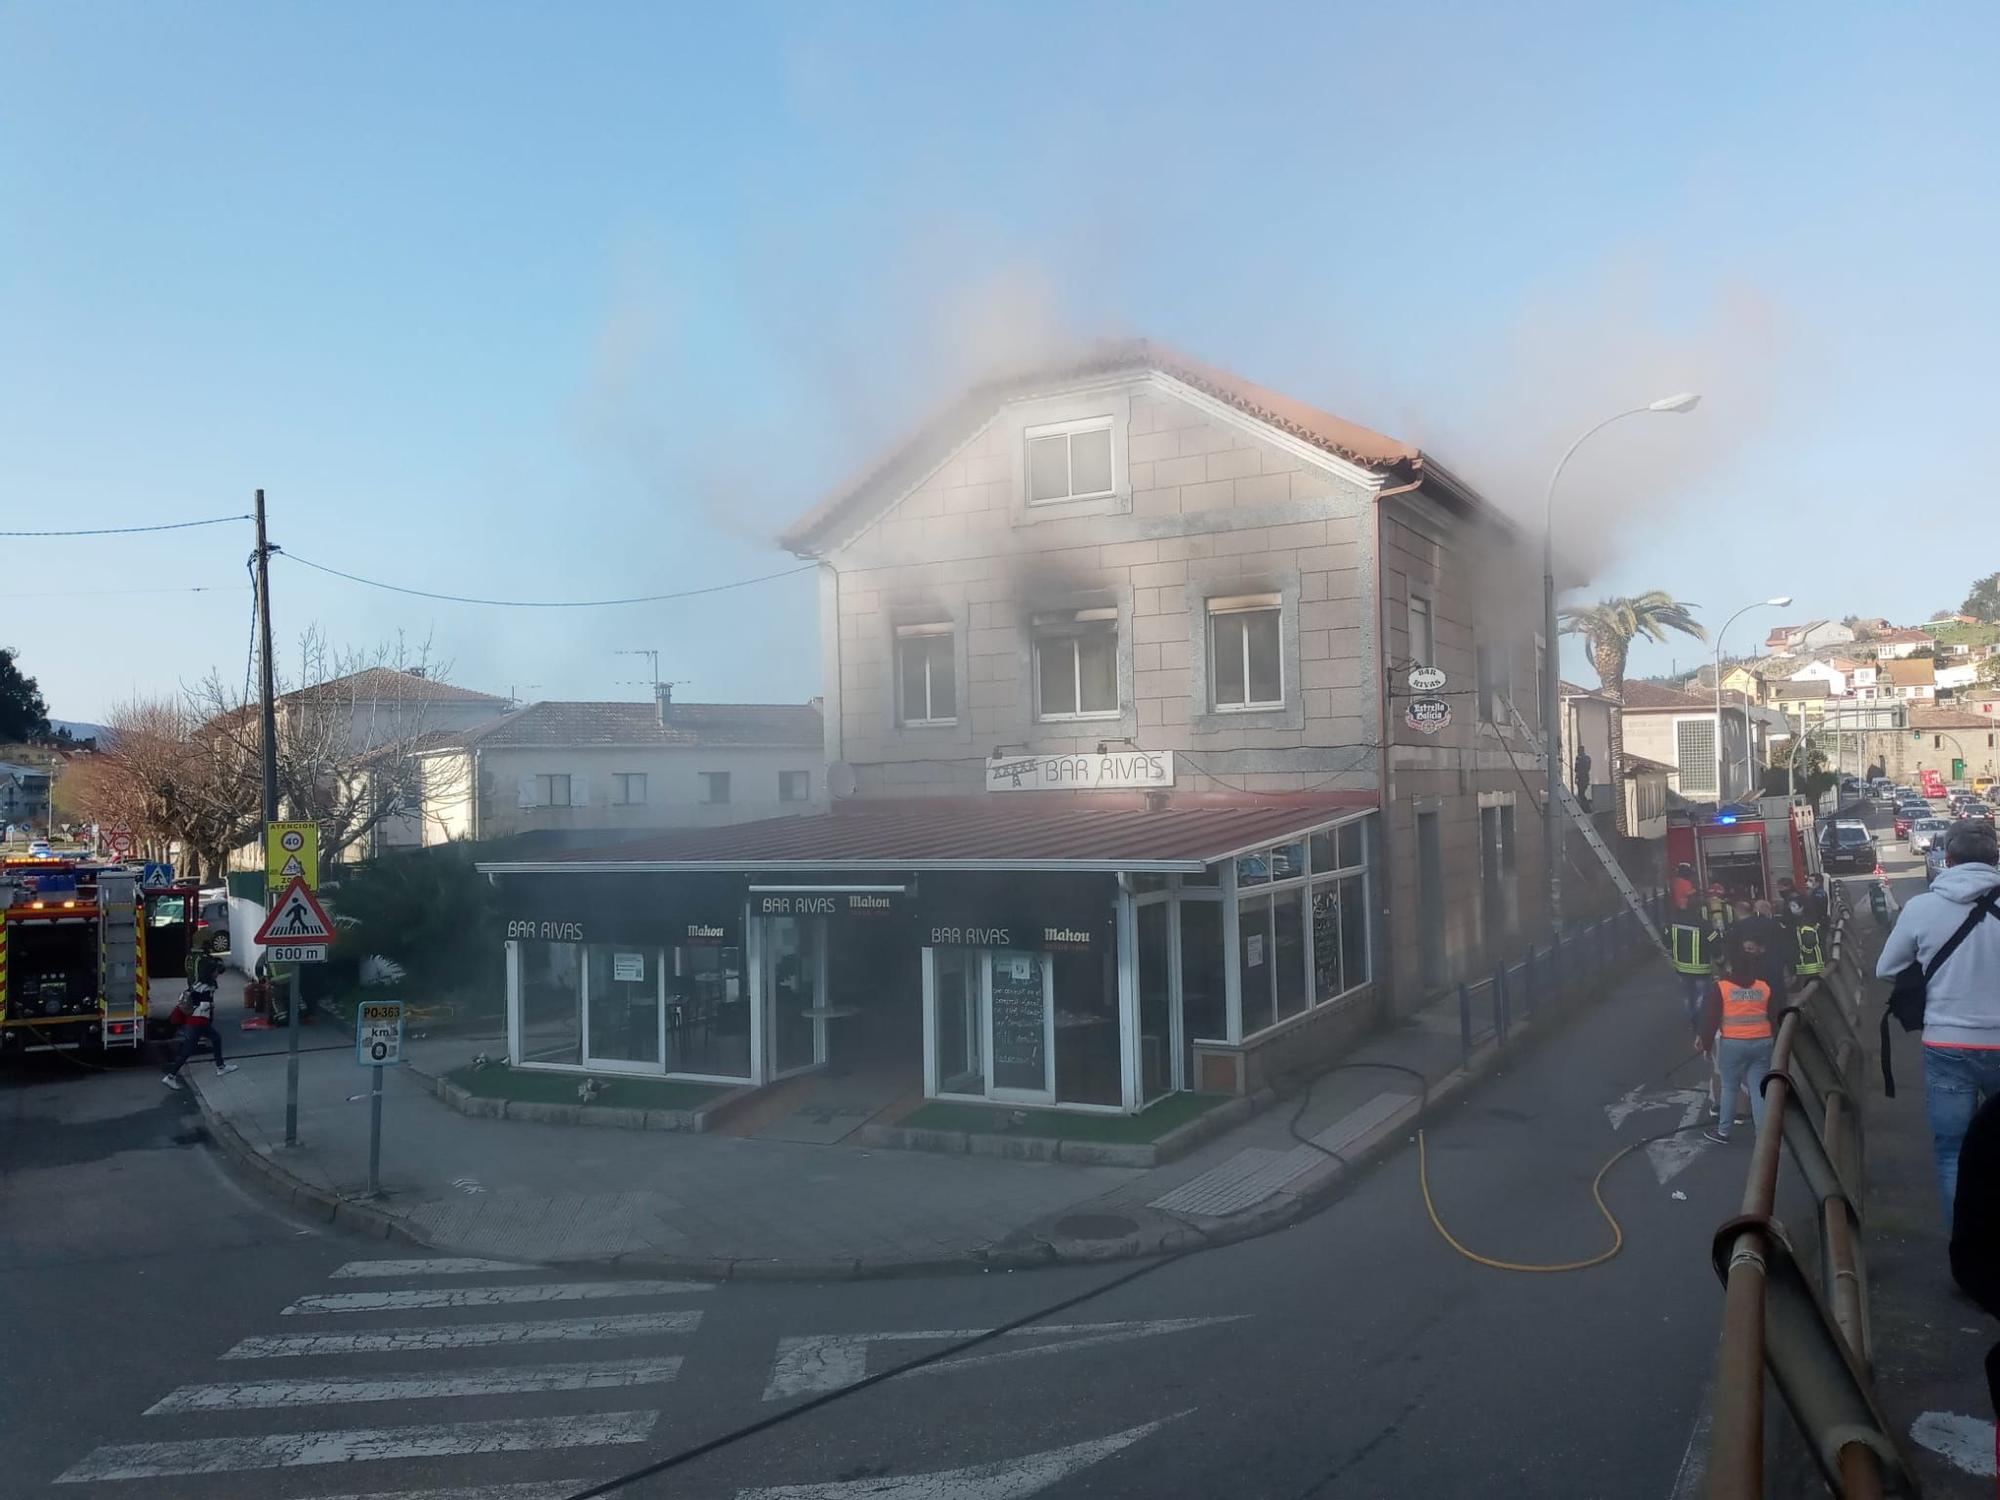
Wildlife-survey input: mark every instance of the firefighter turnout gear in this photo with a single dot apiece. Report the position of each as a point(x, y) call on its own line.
point(1687, 944)
point(1808, 960)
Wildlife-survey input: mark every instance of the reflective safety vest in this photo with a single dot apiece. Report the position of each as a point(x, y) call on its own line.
point(1809, 960)
point(1684, 943)
point(1746, 1011)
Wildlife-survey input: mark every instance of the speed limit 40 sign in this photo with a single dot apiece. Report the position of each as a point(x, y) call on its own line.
point(378, 1033)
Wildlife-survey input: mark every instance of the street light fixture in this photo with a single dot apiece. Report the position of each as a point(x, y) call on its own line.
point(1685, 401)
point(1781, 602)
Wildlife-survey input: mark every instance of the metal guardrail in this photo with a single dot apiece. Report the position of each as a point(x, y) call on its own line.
point(1810, 1331)
point(1488, 1009)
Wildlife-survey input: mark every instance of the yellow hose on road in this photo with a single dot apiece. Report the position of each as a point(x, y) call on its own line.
point(1596, 1192)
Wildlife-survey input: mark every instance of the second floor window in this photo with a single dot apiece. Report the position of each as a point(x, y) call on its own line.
point(1069, 461)
point(1245, 659)
point(1423, 634)
point(552, 791)
point(628, 789)
point(1694, 751)
point(1496, 683)
point(794, 786)
point(1076, 665)
point(714, 787)
point(926, 681)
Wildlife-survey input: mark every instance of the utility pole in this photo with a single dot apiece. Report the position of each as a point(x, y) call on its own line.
point(268, 734)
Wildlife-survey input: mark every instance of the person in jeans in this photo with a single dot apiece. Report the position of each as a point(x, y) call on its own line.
point(1962, 1005)
point(195, 1015)
point(1736, 1020)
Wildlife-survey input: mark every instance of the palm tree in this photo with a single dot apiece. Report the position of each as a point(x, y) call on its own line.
point(1609, 627)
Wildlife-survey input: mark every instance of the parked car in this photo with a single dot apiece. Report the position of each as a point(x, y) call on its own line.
point(1926, 831)
point(1934, 861)
point(1846, 844)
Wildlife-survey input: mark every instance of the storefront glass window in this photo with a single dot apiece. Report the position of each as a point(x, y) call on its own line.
point(1340, 935)
point(708, 1013)
point(623, 990)
point(551, 1013)
point(1253, 962)
point(1289, 951)
point(792, 967)
point(1354, 930)
point(1086, 999)
point(1204, 1006)
point(1253, 869)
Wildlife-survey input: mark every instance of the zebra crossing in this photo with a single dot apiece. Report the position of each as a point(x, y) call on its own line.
point(371, 1370)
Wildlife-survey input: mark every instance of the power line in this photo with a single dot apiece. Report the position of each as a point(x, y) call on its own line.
point(203, 588)
point(714, 588)
point(130, 530)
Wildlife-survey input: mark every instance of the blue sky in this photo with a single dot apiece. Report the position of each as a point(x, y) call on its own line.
point(562, 301)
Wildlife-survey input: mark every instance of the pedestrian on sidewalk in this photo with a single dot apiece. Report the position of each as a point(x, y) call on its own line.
point(1736, 1022)
point(195, 1016)
point(1962, 997)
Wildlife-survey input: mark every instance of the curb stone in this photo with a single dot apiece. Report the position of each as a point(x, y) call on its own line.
point(1291, 1204)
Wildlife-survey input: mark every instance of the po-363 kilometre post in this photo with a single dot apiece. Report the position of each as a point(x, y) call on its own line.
point(295, 931)
point(378, 1044)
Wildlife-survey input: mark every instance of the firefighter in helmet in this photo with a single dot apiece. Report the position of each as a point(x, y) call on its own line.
point(1687, 938)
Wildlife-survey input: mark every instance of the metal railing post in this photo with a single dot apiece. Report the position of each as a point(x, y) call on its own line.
point(1464, 1023)
point(1500, 1003)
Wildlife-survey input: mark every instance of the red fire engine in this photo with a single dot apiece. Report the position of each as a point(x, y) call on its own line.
point(1748, 848)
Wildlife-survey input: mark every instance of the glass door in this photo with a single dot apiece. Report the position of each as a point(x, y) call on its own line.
point(794, 993)
point(623, 1009)
point(958, 1038)
point(1020, 1027)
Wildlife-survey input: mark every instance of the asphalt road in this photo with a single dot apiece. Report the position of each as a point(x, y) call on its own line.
point(169, 1336)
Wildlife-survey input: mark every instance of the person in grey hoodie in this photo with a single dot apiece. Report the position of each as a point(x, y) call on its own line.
point(1962, 1008)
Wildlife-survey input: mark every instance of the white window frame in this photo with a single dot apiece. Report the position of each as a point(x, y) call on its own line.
point(1071, 627)
point(1029, 435)
point(709, 781)
point(545, 789)
point(926, 632)
point(1714, 768)
point(621, 788)
point(1246, 604)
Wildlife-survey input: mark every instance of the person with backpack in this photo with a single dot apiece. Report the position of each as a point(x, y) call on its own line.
point(195, 1016)
point(1944, 956)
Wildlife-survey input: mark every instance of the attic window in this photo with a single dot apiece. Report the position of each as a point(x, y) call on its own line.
point(1069, 461)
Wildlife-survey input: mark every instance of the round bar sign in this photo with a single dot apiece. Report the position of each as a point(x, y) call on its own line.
point(1426, 679)
point(1427, 715)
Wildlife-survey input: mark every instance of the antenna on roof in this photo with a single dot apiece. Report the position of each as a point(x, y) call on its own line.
point(652, 662)
point(514, 698)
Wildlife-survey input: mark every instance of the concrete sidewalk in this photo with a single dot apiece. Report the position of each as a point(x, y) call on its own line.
point(720, 1206)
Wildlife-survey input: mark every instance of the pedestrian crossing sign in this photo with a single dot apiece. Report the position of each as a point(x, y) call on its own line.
point(296, 919)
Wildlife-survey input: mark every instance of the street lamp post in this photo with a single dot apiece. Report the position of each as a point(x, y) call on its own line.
point(1720, 780)
point(1552, 655)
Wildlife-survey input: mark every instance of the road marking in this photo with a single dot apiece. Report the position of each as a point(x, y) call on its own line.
point(291, 1450)
point(511, 1380)
point(541, 1489)
point(1672, 1156)
point(1966, 1443)
point(446, 1265)
point(825, 1362)
point(468, 1336)
point(1010, 1479)
point(488, 1296)
point(1689, 1477)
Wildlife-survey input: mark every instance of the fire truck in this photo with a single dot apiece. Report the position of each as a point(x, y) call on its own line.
point(1749, 848)
point(81, 949)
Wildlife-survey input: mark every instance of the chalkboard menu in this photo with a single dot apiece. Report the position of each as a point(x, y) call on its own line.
point(1020, 1015)
point(1326, 940)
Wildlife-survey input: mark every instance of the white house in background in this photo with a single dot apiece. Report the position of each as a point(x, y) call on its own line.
point(588, 771)
point(1913, 679)
point(1955, 678)
point(1863, 681)
point(1678, 729)
point(1586, 725)
point(1810, 636)
point(1895, 645)
point(1834, 673)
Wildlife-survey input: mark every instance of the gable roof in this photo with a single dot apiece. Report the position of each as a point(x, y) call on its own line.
point(1903, 634)
point(1567, 689)
point(379, 684)
point(1948, 718)
point(891, 475)
point(1911, 671)
point(1810, 687)
point(556, 725)
point(1642, 697)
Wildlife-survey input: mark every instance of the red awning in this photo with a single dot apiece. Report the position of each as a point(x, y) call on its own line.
point(984, 833)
